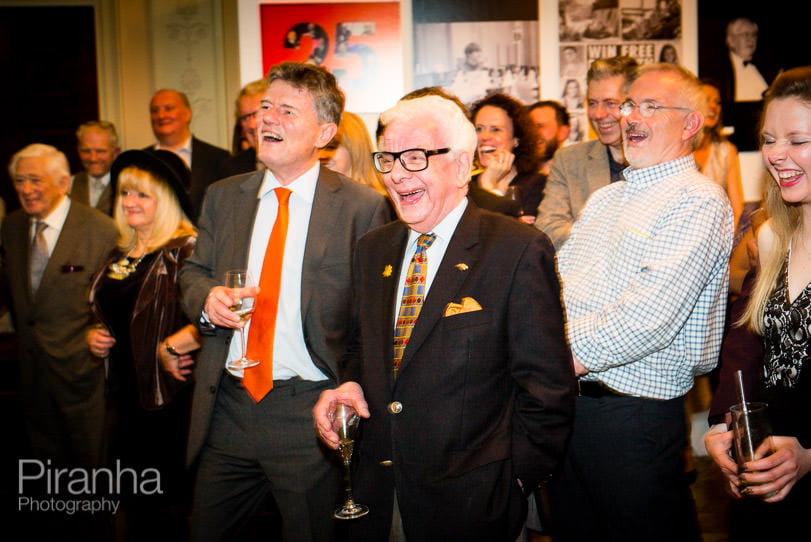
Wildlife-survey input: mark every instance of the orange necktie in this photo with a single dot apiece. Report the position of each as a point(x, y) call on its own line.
point(258, 380)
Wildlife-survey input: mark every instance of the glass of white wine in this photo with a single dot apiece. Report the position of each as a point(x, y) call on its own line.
point(345, 422)
point(243, 306)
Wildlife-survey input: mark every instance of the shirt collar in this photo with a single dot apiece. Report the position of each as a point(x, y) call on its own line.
point(653, 174)
point(58, 216)
point(738, 61)
point(444, 230)
point(104, 180)
point(303, 186)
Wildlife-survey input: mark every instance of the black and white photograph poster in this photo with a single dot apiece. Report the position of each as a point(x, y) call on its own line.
point(477, 48)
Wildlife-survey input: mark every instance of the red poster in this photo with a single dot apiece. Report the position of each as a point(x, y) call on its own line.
point(358, 42)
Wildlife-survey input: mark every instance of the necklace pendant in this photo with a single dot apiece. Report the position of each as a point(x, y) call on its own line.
point(122, 268)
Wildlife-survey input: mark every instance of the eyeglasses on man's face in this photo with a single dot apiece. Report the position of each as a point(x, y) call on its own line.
point(646, 108)
point(411, 159)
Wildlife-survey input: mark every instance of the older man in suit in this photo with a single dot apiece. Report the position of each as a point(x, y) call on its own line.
point(465, 379)
point(171, 114)
point(97, 143)
point(294, 227)
point(51, 248)
point(579, 170)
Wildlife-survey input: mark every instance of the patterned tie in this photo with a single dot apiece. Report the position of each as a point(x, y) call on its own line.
point(39, 254)
point(413, 294)
point(258, 380)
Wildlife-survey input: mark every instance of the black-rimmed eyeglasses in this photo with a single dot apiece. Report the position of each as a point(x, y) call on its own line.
point(411, 159)
point(646, 109)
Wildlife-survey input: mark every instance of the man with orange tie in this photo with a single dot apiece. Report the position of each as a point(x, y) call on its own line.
point(465, 381)
point(293, 227)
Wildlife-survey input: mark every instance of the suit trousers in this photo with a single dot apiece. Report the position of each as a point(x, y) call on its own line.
point(623, 475)
point(262, 467)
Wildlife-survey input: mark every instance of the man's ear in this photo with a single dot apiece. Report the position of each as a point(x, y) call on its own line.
point(692, 125)
point(464, 164)
point(327, 131)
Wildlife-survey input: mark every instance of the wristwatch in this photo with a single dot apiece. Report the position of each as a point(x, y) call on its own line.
point(171, 349)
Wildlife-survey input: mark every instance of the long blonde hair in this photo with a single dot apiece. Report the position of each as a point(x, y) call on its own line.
point(354, 137)
point(785, 218)
point(170, 221)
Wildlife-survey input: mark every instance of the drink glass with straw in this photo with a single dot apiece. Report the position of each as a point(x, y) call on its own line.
point(750, 427)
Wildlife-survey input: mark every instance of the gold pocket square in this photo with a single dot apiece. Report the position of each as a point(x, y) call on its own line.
point(468, 305)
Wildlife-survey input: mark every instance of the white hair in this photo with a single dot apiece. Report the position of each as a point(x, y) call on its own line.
point(457, 129)
point(56, 164)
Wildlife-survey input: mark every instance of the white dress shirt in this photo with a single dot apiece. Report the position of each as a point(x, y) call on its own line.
point(55, 221)
point(290, 356)
point(96, 186)
point(183, 151)
point(749, 83)
point(443, 231)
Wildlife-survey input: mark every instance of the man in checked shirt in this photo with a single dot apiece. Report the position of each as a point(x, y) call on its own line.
point(645, 279)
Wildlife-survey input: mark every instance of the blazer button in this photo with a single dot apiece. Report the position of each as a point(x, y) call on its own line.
point(386, 463)
point(395, 407)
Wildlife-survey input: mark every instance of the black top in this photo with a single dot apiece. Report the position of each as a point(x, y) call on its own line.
point(116, 301)
point(530, 193)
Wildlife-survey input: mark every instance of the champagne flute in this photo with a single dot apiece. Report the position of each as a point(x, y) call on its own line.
point(239, 278)
point(345, 422)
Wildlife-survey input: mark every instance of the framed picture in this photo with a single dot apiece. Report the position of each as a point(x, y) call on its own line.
point(742, 51)
point(477, 48)
point(359, 42)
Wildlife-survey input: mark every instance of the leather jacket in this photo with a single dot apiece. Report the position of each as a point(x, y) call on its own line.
point(157, 315)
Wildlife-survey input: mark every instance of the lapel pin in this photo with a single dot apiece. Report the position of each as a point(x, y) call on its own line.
point(462, 267)
point(387, 271)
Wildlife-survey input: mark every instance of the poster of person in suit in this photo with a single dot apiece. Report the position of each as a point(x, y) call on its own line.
point(744, 50)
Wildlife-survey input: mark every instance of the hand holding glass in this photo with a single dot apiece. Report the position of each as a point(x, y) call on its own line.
point(239, 278)
point(345, 423)
point(751, 432)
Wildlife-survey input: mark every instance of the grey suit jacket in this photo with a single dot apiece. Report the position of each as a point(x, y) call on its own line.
point(343, 210)
point(577, 171)
point(55, 364)
point(80, 191)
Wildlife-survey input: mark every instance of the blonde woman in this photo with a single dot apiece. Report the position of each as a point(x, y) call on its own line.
point(780, 311)
point(350, 153)
point(144, 335)
point(715, 156)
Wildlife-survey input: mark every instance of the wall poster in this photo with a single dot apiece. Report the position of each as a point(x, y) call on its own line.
point(477, 48)
point(359, 42)
point(648, 30)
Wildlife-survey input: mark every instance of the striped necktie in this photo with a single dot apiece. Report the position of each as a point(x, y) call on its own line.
point(413, 295)
point(39, 254)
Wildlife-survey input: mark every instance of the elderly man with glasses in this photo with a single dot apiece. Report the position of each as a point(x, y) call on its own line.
point(465, 380)
point(644, 276)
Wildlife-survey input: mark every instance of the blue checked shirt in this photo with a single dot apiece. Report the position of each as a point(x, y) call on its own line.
point(645, 275)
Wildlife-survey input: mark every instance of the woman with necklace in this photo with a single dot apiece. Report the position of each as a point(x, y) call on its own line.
point(144, 336)
point(778, 485)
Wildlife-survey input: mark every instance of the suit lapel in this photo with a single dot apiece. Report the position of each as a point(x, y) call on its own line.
point(244, 215)
point(325, 212)
point(70, 237)
point(462, 249)
point(389, 289)
point(597, 166)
